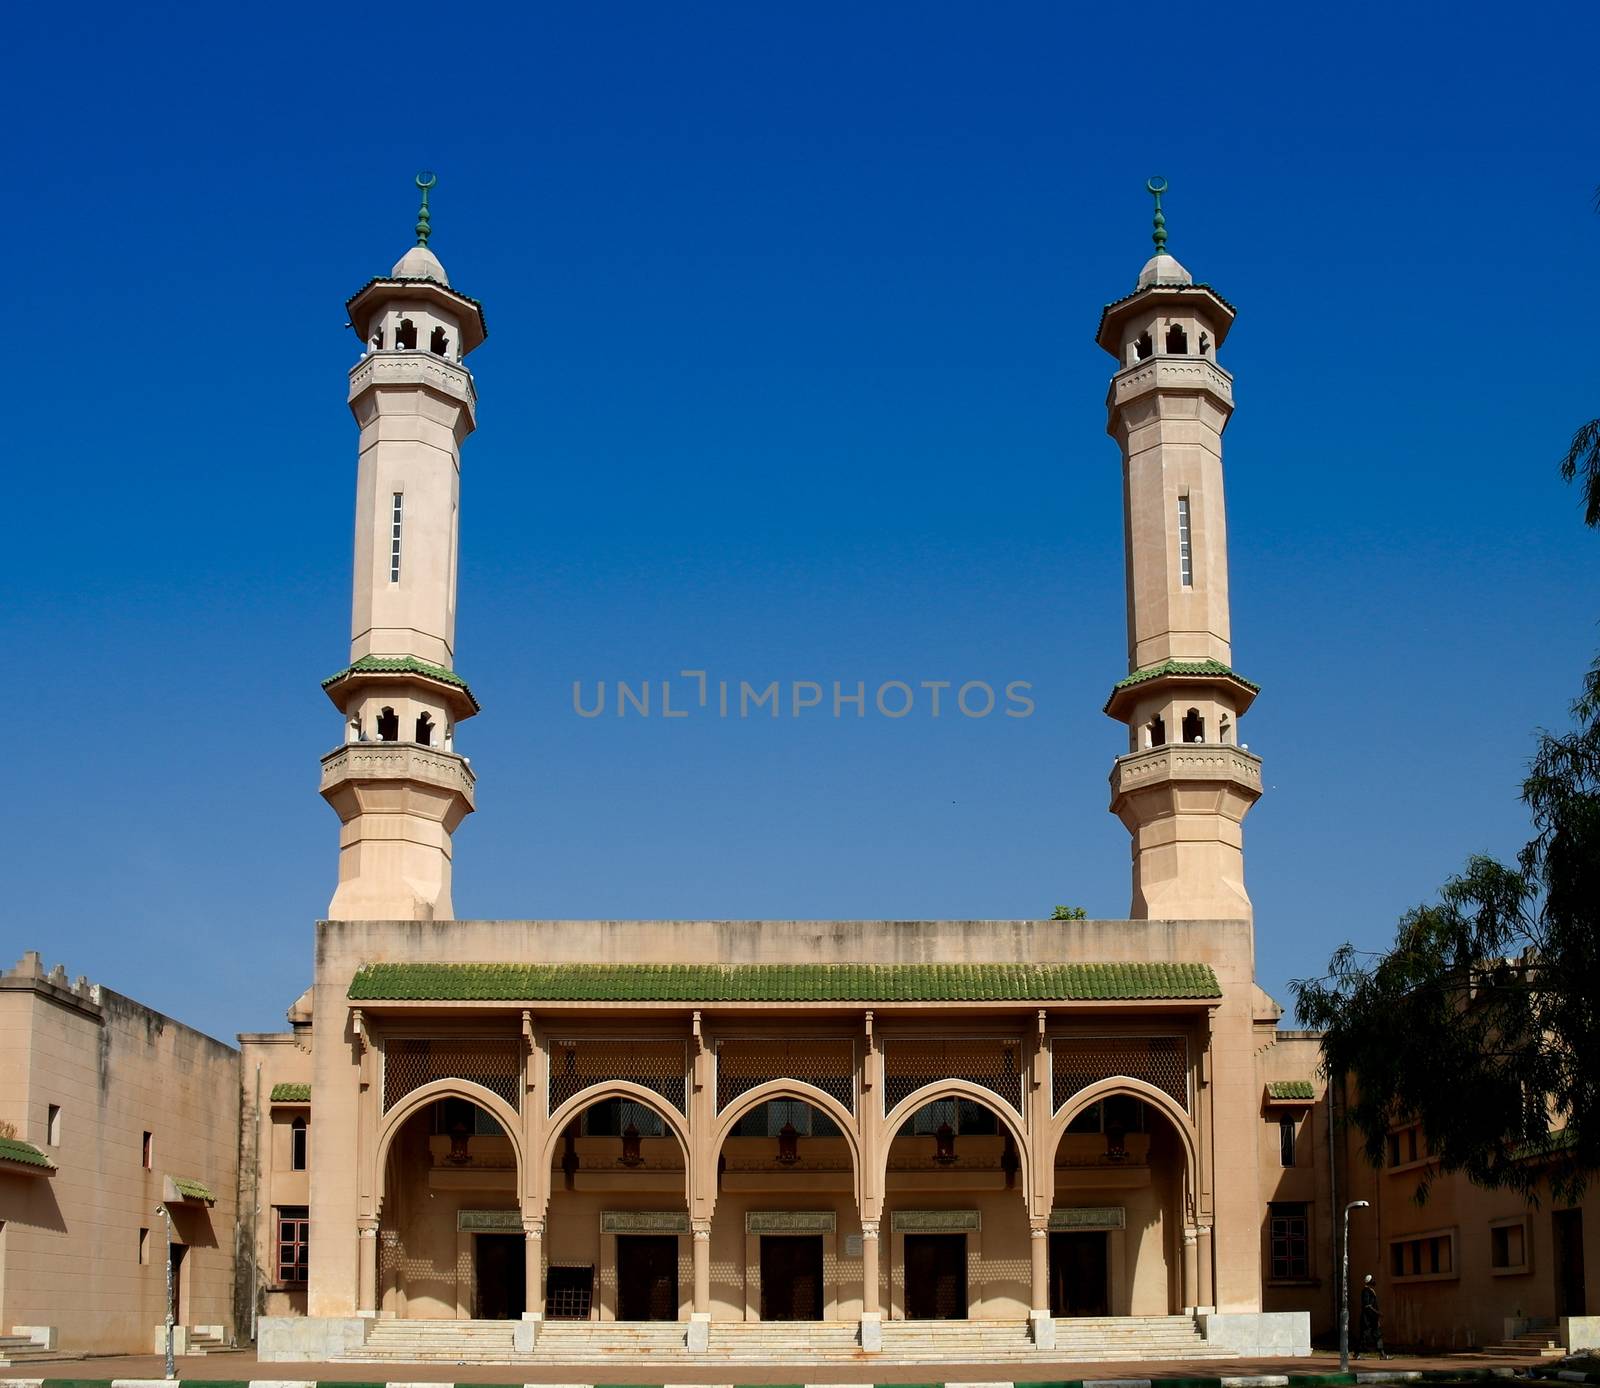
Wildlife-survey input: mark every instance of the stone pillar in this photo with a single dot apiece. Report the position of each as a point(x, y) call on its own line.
point(1191, 1269)
point(1204, 1287)
point(1040, 1322)
point(525, 1333)
point(871, 1313)
point(367, 1276)
point(699, 1336)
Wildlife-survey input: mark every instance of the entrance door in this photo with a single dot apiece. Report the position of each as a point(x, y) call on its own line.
point(1078, 1274)
point(500, 1269)
point(1567, 1226)
point(791, 1277)
point(936, 1277)
point(647, 1277)
point(176, 1252)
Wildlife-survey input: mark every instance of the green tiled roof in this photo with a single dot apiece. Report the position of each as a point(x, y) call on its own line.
point(400, 665)
point(194, 1190)
point(781, 982)
point(24, 1153)
point(1290, 1089)
point(1185, 667)
point(291, 1093)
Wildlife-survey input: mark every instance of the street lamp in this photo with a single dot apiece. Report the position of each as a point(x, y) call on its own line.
point(166, 1214)
point(1344, 1285)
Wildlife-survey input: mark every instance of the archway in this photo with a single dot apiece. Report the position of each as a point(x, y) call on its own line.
point(956, 1181)
point(450, 1233)
point(616, 1200)
point(1121, 1177)
point(785, 1183)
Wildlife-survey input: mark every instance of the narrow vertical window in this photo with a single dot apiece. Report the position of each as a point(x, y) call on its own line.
point(144, 1247)
point(52, 1125)
point(297, 1145)
point(396, 517)
point(1185, 549)
point(147, 1151)
point(1286, 1141)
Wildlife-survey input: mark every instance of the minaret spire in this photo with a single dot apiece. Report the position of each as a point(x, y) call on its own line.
point(1185, 784)
point(397, 783)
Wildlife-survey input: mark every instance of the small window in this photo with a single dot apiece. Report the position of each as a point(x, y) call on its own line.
point(396, 520)
point(425, 729)
point(405, 336)
point(1194, 726)
point(388, 725)
point(1185, 548)
point(1142, 346)
point(1286, 1141)
point(377, 340)
point(1289, 1242)
point(52, 1125)
point(294, 1245)
point(297, 1145)
point(1177, 340)
point(144, 1248)
point(1205, 345)
point(439, 344)
point(147, 1151)
point(1158, 731)
point(1430, 1255)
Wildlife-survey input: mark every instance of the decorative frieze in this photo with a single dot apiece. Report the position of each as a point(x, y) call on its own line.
point(489, 1221)
point(1089, 1217)
point(644, 1222)
point(936, 1221)
point(790, 1222)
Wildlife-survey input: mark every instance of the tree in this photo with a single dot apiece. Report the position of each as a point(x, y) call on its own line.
point(1069, 913)
point(1482, 1022)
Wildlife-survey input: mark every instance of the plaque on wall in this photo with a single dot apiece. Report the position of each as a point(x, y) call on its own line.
point(852, 1245)
point(935, 1221)
point(488, 1221)
point(644, 1222)
point(790, 1222)
point(1089, 1217)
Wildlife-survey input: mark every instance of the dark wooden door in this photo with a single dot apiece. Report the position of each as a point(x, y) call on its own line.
point(1567, 1228)
point(647, 1277)
point(936, 1277)
point(791, 1277)
point(1078, 1274)
point(501, 1270)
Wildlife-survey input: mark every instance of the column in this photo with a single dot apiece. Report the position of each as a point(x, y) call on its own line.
point(699, 1336)
point(1204, 1289)
point(1040, 1321)
point(871, 1312)
point(1191, 1268)
point(367, 1277)
point(533, 1274)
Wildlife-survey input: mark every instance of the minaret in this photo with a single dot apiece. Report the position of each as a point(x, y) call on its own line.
point(397, 783)
point(1185, 785)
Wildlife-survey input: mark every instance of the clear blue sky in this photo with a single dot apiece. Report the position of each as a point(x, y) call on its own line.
point(790, 375)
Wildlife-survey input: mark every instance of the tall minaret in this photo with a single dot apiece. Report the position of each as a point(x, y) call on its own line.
point(397, 783)
point(1185, 785)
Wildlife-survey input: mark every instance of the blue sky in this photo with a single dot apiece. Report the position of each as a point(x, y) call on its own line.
point(790, 375)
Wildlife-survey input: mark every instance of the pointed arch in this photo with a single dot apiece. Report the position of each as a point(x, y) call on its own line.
point(599, 1093)
point(798, 1090)
point(1090, 1095)
point(957, 1089)
point(426, 1095)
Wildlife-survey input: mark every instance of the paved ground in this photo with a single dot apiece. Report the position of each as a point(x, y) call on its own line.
point(663, 1370)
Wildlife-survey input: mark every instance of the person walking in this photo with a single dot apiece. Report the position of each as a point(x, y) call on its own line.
point(1370, 1336)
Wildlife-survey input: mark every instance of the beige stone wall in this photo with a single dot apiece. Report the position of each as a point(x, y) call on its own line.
point(70, 1250)
point(277, 1058)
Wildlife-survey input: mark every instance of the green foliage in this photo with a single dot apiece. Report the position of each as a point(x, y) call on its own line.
point(1583, 458)
point(1069, 913)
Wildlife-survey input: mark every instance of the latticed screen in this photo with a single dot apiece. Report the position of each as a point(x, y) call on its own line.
point(492, 1061)
point(829, 1064)
point(569, 1293)
point(659, 1066)
point(1078, 1062)
point(993, 1062)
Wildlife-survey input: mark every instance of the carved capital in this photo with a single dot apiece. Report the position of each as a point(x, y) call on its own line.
point(533, 1226)
point(869, 1229)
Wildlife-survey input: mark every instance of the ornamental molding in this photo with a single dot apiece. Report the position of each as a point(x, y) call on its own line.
point(413, 367)
point(1188, 761)
point(790, 1222)
point(397, 761)
point(1089, 1217)
point(489, 1221)
point(1180, 373)
point(936, 1221)
point(644, 1222)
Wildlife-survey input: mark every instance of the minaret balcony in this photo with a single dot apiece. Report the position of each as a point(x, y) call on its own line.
point(398, 778)
point(416, 368)
point(1162, 373)
point(1190, 777)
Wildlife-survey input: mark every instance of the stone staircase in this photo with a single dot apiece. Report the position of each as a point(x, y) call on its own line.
point(24, 1349)
point(208, 1339)
point(635, 1343)
point(1541, 1340)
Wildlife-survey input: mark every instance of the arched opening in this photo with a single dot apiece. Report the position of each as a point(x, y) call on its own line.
point(786, 1207)
point(388, 725)
point(439, 343)
point(1177, 339)
point(1157, 731)
point(1194, 726)
point(1205, 344)
point(377, 338)
point(956, 1214)
point(1121, 1174)
point(405, 336)
point(450, 1240)
point(1142, 346)
point(425, 729)
point(617, 1241)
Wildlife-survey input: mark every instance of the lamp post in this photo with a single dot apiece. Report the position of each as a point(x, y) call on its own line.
point(166, 1215)
point(1344, 1285)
